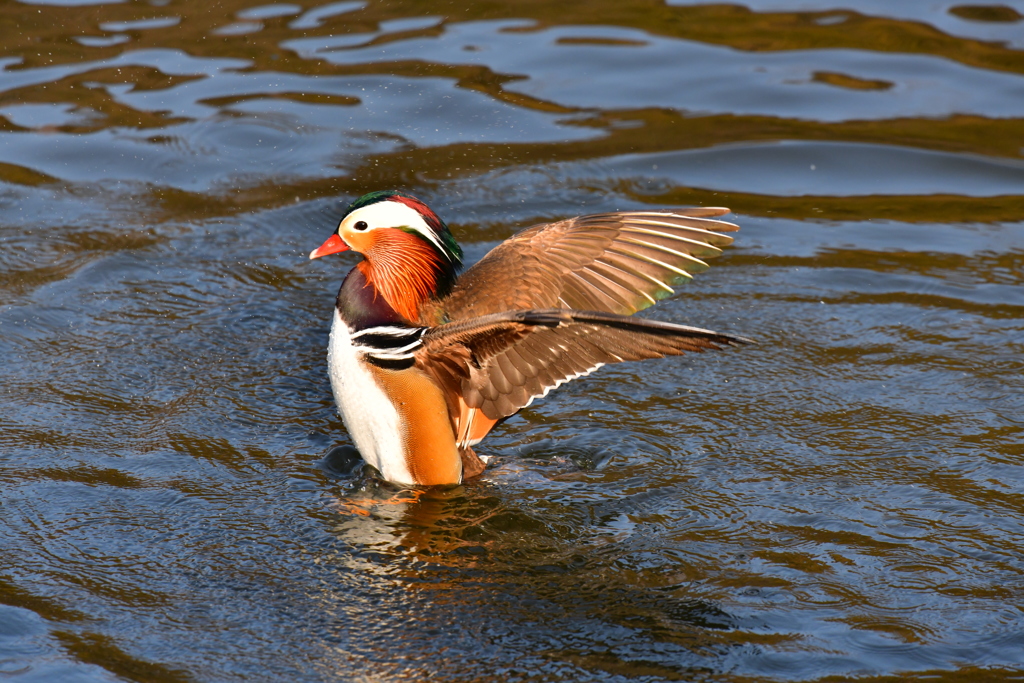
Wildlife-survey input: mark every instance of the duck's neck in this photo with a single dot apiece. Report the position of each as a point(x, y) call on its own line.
point(362, 305)
point(401, 271)
point(407, 271)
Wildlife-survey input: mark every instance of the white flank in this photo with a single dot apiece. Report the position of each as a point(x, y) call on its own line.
point(369, 416)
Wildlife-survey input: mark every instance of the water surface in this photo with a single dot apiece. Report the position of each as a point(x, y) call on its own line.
point(180, 501)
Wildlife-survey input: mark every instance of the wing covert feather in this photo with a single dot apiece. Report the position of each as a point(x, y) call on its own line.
point(484, 360)
point(611, 262)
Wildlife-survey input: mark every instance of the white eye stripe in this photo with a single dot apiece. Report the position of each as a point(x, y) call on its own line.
point(388, 214)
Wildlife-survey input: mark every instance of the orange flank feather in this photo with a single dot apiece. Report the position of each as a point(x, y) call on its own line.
point(403, 268)
point(431, 454)
point(471, 425)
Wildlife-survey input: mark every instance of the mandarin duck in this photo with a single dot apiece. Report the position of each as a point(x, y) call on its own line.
point(424, 362)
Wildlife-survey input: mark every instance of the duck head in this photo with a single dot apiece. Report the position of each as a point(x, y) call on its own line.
point(409, 254)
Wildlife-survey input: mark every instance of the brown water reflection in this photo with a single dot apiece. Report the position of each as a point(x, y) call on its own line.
point(80, 76)
point(841, 501)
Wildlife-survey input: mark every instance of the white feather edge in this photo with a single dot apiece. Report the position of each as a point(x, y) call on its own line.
point(389, 331)
point(560, 382)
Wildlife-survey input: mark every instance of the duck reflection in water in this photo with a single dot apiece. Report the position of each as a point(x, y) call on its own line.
point(553, 558)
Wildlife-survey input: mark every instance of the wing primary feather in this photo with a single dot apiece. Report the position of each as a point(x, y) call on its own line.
point(702, 213)
point(697, 224)
point(536, 265)
point(628, 281)
point(579, 294)
point(482, 361)
point(667, 250)
point(612, 292)
point(615, 291)
point(646, 276)
point(710, 250)
point(639, 255)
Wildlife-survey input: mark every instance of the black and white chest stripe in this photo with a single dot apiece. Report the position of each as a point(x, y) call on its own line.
point(389, 346)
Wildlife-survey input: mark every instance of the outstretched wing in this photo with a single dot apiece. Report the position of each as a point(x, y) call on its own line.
point(612, 262)
point(491, 366)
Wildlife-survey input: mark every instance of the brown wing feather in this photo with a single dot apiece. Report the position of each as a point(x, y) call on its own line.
point(499, 363)
point(613, 262)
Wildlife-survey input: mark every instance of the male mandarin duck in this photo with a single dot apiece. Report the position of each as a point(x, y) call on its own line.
point(424, 363)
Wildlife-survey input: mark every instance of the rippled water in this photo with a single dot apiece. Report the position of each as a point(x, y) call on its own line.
point(180, 502)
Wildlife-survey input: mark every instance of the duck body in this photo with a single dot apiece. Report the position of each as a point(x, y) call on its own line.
point(395, 414)
point(424, 363)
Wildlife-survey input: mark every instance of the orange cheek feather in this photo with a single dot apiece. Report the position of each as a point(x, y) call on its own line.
point(359, 241)
point(402, 267)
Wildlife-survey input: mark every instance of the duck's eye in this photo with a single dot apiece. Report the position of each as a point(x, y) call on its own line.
point(361, 225)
